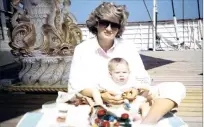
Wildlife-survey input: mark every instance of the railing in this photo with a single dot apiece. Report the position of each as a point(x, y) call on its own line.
point(189, 33)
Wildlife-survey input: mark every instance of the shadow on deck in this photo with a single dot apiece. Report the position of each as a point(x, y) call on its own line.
point(161, 66)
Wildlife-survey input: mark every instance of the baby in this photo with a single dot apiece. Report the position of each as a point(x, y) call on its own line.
point(120, 83)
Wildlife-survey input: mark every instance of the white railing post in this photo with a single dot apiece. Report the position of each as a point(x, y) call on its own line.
point(140, 27)
point(189, 34)
point(153, 25)
point(194, 41)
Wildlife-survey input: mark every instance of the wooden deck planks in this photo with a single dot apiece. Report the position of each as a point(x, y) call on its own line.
point(187, 69)
point(190, 113)
point(184, 67)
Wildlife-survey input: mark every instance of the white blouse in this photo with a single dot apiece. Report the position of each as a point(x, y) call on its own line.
point(90, 63)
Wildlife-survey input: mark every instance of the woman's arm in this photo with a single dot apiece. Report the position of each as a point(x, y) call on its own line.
point(77, 76)
point(107, 96)
point(110, 97)
point(93, 93)
point(87, 92)
point(97, 96)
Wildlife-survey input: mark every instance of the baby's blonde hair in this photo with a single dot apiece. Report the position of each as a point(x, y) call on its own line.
point(115, 61)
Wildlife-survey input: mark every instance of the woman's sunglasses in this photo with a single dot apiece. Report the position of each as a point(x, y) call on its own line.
point(105, 24)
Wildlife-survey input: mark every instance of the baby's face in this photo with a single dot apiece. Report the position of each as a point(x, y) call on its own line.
point(120, 73)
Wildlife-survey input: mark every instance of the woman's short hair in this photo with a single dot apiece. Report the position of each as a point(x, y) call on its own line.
point(115, 61)
point(108, 9)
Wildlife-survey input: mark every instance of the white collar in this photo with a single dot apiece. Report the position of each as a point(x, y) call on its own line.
point(98, 48)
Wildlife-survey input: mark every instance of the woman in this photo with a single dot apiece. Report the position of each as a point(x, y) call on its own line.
point(90, 59)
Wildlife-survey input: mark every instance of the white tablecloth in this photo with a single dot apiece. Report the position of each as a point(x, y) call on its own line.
point(78, 117)
point(75, 117)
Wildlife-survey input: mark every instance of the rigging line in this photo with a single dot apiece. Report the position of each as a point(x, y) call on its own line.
point(148, 13)
point(183, 18)
point(172, 4)
point(147, 10)
point(198, 9)
point(199, 21)
point(156, 13)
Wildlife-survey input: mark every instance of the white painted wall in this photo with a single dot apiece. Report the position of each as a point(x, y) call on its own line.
point(141, 34)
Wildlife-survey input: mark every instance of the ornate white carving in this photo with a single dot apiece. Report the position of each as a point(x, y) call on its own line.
point(45, 71)
point(44, 37)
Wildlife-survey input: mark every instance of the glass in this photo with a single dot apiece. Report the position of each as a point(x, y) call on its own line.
point(105, 24)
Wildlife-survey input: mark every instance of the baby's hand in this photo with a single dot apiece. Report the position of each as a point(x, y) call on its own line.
point(130, 94)
point(126, 94)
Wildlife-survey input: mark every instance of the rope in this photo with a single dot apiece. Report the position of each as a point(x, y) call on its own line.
point(183, 19)
point(152, 21)
point(34, 89)
point(147, 10)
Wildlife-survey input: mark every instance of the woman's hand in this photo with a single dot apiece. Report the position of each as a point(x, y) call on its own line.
point(110, 97)
point(130, 94)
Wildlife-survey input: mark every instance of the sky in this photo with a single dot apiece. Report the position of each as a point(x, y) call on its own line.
point(82, 8)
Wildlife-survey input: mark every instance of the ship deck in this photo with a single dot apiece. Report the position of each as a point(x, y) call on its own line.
point(163, 66)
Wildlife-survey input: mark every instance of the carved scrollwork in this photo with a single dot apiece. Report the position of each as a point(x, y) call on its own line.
point(44, 36)
point(61, 37)
point(60, 32)
point(23, 35)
